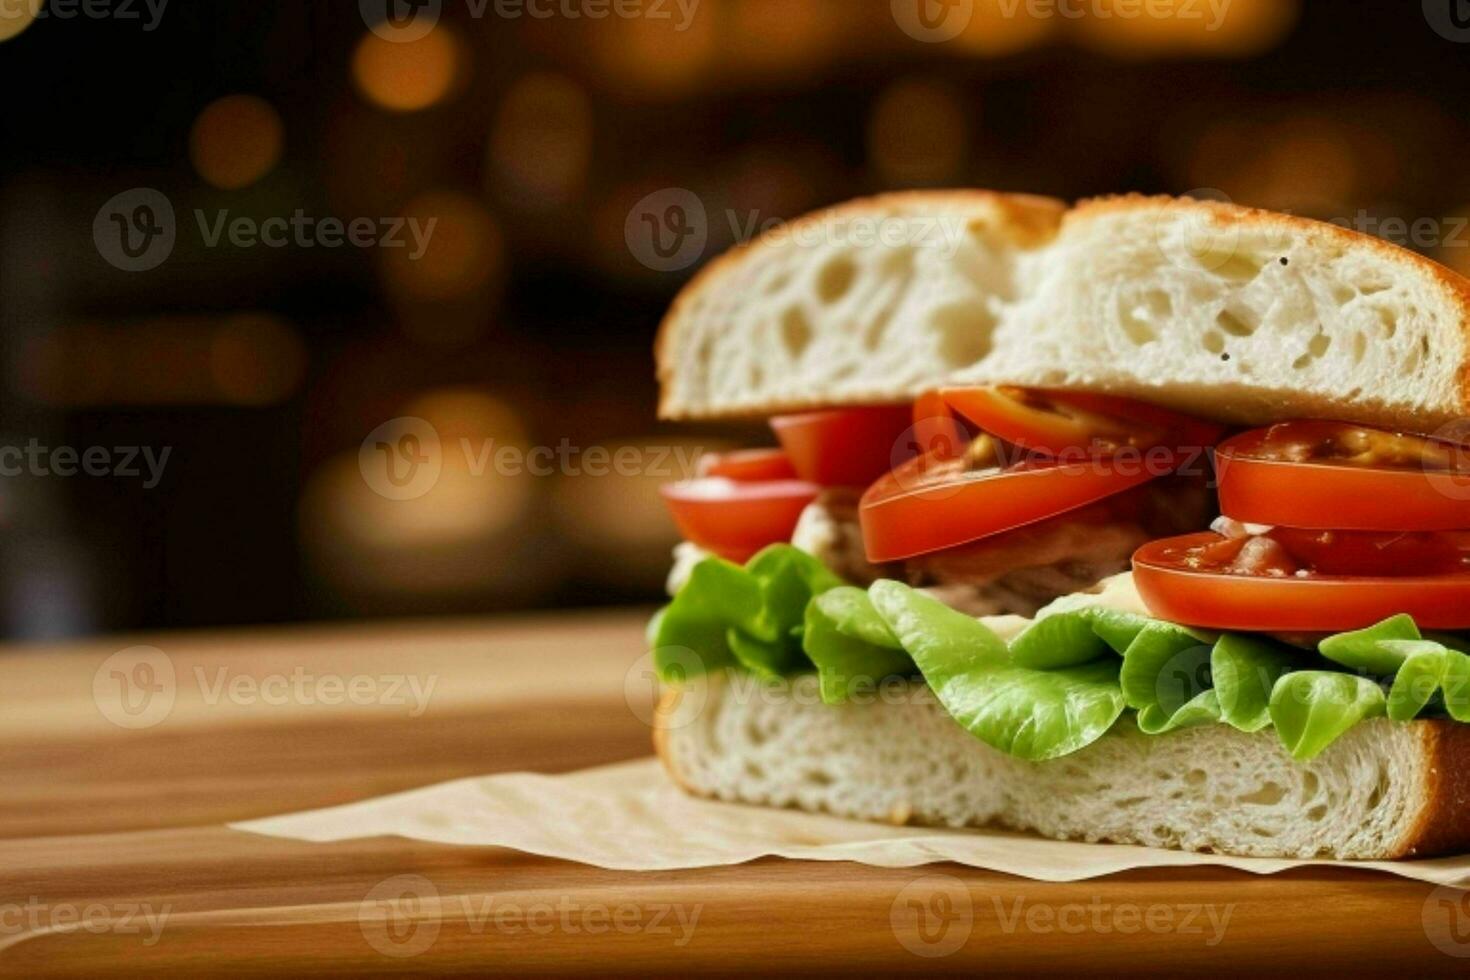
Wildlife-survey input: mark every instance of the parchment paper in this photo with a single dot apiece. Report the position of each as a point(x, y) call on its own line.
point(630, 817)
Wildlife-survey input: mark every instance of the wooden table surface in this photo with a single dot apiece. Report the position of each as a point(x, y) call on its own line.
point(119, 765)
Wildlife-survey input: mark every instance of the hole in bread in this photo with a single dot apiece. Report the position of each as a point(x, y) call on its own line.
point(753, 733)
point(1387, 321)
point(754, 771)
point(1138, 320)
point(873, 336)
point(962, 333)
point(1371, 287)
point(1195, 777)
point(778, 282)
point(1268, 795)
point(1343, 294)
point(835, 279)
point(1380, 790)
point(796, 331)
point(898, 263)
point(1214, 341)
point(818, 778)
point(1360, 347)
point(1230, 264)
point(1416, 356)
point(1316, 348)
point(1316, 813)
point(1237, 324)
point(757, 376)
point(1310, 784)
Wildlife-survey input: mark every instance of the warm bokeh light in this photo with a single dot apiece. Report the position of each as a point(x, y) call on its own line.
point(237, 359)
point(655, 57)
point(1309, 164)
point(541, 144)
point(256, 359)
point(618, 520)
point(1240, 28)
point(448, 538)
point(405, 76)
point(777, 182)
point(468, 413)
point(460, 253)
point(774, 37)
point(236, 141)
point(1454, 250)
point(918, 133)
point(17, 16)
point(1001, 27)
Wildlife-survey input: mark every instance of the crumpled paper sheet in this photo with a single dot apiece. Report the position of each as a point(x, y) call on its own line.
point(630, 817)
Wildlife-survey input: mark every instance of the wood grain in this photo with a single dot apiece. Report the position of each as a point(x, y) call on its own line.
point(97, 819)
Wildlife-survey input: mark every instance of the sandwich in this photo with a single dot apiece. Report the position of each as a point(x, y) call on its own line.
point(1145, 521)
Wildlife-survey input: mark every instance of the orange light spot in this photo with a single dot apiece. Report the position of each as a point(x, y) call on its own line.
point(236, 141)
point(405, 76)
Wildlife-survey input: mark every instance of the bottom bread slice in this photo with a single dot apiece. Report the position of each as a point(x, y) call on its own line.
point(1384, 790)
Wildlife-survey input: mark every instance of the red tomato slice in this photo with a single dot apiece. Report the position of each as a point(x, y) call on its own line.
point(848, 447)
point(936, 502)
point(735, 520)
point(1332, 475)
point(748, 465)
point(1200, 580)
point(1055, 423)
point(1391, 553)
point(936, 430)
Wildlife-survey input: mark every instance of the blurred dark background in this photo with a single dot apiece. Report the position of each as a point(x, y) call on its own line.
point(529, 317)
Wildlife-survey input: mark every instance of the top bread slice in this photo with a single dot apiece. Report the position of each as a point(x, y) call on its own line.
point(1228, 312)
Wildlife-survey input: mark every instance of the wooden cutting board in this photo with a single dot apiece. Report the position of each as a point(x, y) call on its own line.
point(120, 763)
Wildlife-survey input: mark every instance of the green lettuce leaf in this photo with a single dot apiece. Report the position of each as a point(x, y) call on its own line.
point(1311, 709)
point(1426, 671)
point(1065, 680)
point(851, 645)
point(1175, 678)
point(1025, 712)
point(753, 617)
